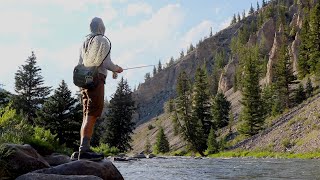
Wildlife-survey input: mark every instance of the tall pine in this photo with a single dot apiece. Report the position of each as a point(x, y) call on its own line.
point(62, 115)
point(220, 110)
point(314, 61)
point(191, 128)
point(162, 143)
point(304, 50)
point(118, 123)
point(252, 116)
point(31, 93)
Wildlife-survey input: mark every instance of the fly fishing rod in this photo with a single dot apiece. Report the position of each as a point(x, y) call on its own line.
point(115, 74)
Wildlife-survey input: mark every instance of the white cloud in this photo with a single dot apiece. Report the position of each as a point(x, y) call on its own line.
point(197, 32)
point(138, 8)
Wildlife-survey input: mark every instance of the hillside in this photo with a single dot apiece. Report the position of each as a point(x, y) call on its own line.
point(294, 130)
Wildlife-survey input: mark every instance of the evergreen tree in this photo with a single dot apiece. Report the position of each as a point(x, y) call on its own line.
point(304, 50)
point(314, 61)
point(309, 88)
point(5, 97)
point(268, 99)
point(258, 6)
point(252, 116)
point(171, 62)
point(300, 95)
point(238, 17)
point(244, 14)
point(201, 101)
point(154, 71)
point(191, 48)
point(182, 54)
point(214, 80)
point(31, 93)
point(220, 110)
point(147, 146)
point(234, 19)
point(251, 11)
point(210, 32)
point(264, 3)
point(283, 77)
point(190, 127)
point(147, 76)
point(62, 115)
point(162, 143)
point(118, 124)
point(213, 145)
point(159, 66)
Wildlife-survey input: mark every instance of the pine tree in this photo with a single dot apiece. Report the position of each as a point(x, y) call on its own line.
point(5, 97)
point(309, 88)
point(182, 54)
point(147, 146)
point(251, 11)
point(162, 143)
point(283, 77)
point(304, 50)
point(214, 80)
point(268, 99)
point(191, 48)
point(258, 6)
point(220, 110)
point(238, 17)
point(154, 71)
point(201, 100)
point(171, 62)
point(31, 93)
point(147, 76)
point(252, 116)
point(244, 14)
point(210, 35)
point(264, 3)
point(118, 123)
point(314, 61)
point(190, 127)
point(62, 115)
point(300, 95)
point(159, 66)
point(213, 145)
point(234, 19)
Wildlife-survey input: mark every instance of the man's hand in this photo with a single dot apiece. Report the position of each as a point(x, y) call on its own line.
point(119, 70)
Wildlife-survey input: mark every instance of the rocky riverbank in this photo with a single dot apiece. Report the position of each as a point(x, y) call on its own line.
point(22, 162)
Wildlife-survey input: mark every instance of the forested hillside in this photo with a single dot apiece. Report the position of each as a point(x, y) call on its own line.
point(260, 67)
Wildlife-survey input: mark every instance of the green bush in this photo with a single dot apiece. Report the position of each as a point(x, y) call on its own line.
point(106, 150)
point(13, 128)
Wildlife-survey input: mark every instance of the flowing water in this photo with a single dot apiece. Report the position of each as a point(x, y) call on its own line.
point(234, 168)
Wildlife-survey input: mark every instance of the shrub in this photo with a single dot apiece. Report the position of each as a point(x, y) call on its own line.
point(106, 150)
point(150, 127)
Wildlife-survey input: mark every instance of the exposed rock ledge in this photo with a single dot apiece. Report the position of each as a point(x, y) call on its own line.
point(24, 163)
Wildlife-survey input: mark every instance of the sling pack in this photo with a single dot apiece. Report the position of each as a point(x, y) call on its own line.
point(87, 77)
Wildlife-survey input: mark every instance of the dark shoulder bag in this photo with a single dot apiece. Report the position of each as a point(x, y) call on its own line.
point(87, 77)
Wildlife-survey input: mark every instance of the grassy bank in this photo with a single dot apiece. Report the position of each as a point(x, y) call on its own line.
point(266, 154)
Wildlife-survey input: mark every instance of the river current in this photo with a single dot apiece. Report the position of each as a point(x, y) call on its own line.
point(235, 168)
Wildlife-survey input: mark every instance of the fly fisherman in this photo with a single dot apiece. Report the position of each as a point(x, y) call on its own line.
point(93, 51)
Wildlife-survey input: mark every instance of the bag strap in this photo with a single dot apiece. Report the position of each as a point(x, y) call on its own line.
point(90, 40)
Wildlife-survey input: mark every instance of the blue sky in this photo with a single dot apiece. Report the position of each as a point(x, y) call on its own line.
point(142, 33)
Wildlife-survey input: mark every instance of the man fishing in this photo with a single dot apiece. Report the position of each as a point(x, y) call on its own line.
point(95, 50)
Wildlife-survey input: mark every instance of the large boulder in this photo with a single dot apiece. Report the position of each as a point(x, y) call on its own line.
point(57, 159)
point(16, 160)
point(38, 176)
point(103, 169)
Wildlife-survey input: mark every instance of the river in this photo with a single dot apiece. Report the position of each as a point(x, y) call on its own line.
point(235, 168)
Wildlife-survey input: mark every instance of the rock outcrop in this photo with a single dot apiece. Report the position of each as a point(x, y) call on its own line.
point(103, 169)
point(16, 160)
point(37, 176)
point(273, 56)
point(24, 162)
point(227, 76)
